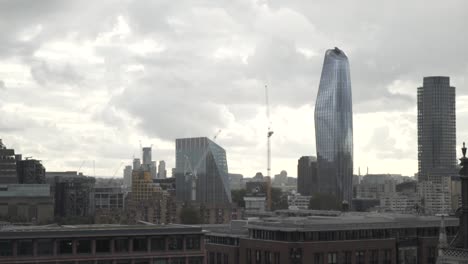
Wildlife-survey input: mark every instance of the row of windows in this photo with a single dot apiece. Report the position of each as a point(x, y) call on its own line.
point(256, 256)
point(218, 258)
point(190, 260)
point(84, 246)
point(349, 234)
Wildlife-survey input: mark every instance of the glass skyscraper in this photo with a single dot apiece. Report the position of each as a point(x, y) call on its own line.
point(436, 128)
point(208, 160)
point(334, 127)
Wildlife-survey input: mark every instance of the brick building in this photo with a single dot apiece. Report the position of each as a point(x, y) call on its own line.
point(102, 244)
point(348, 238)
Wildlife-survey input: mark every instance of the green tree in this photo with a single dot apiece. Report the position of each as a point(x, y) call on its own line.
point(238, 197)
point(324, 201)
point(190, 216)
point(279, 200)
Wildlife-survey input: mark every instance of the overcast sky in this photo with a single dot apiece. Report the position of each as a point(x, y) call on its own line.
point(87, 80)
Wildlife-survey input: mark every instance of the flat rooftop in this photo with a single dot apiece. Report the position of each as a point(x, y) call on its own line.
point(54, 230)
point(349, 221)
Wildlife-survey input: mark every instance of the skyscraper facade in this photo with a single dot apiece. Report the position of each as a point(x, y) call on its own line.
point(162, 173)
point(201, 172)
point(436, 128)
point(334, 127)
point(307, 181)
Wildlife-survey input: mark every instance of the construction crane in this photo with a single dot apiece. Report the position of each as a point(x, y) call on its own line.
point(191, 173)
point(82, 163)
point(269, 132)
point(118, 168)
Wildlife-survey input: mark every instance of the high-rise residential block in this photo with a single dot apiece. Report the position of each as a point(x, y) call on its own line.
point(162, 173)
point(436, 128)
point(201, 172)
point(334, 127)
point(128, 176)
point(307, 180)
point(147, 156)
point(8, 173)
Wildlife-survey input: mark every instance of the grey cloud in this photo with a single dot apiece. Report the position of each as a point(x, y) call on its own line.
point(45, 73)
point(2, 85)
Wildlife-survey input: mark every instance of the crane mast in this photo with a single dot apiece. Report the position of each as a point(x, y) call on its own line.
point(269, 132)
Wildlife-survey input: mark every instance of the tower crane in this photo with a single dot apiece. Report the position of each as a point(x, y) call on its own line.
point(191, 173)
point(269, 132)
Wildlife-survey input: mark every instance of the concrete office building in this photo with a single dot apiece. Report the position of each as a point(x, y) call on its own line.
point(102, 244)
point(26, 203)
point(8, 173)
point(206, 159)
point(334, 127)
point(351, 238)
point(307, 180)
point(436, 128)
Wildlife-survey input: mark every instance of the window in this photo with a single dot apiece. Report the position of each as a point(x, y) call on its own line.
point(176, 243)
point(268, 258)
point(295, 253)
point(65, 247)
point(374, 257)
point(276, 257)
point(160, 261)
point(360, 257)
point(192, 242)
point(158, 244)
point(45, 247)
point(24, 247)
point(332, 258)
point(83, 246)
point(431, 255)
point(177, 261)
point(248, 256)
point(387, 256)
point(102, 245)
point(318, 258)
point(195, 260)
point(347, 257)
point(121, 245)
point(219, 260)
point(212, 258)
point(139, 244)
point(226, 259)
point(258, 257)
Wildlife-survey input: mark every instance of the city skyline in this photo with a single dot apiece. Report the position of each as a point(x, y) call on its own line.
point(74, 91)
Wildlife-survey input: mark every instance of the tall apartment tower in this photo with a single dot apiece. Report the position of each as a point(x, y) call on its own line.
point(201, 172)
point(334, 127)
point(8, 172)
point(436, 129)
point(307, 181)
point(127, 175)
point(162, 173)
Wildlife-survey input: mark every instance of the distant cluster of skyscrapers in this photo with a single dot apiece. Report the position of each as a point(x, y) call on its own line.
point(331, 171)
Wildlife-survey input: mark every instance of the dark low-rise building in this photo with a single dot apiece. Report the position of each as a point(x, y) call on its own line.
point(103, 244)
point(26, 203)
point(348, 238)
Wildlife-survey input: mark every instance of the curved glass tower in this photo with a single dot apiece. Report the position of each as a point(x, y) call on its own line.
point(334, 127)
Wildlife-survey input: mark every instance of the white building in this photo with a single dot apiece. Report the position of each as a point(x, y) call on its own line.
point(297, 201)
